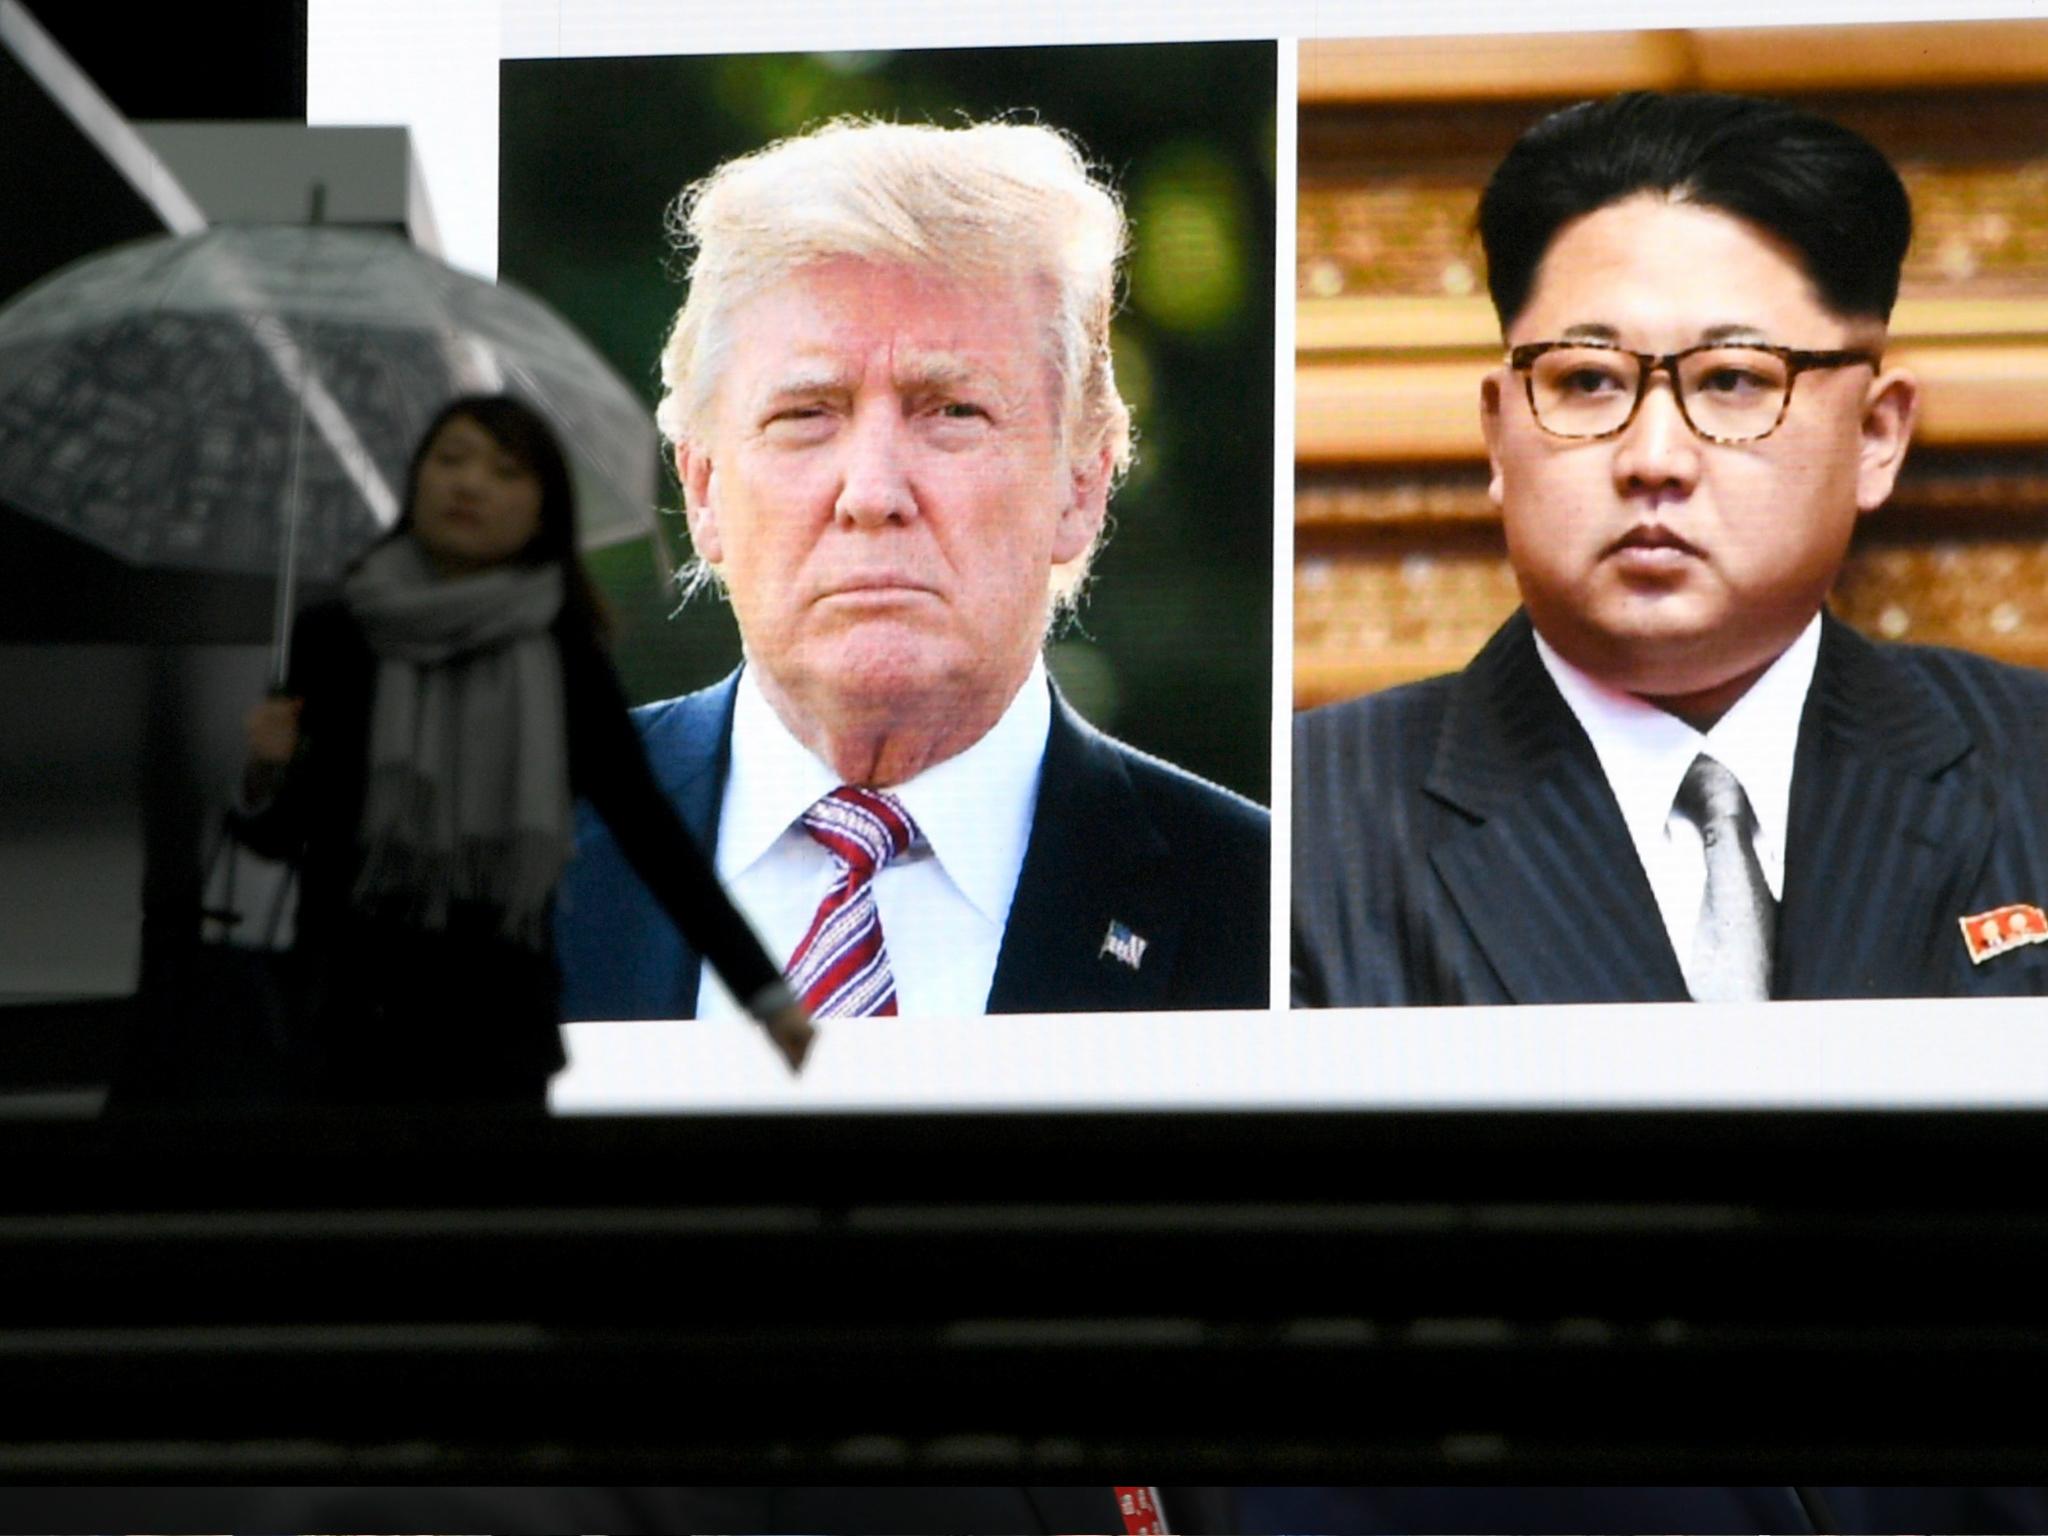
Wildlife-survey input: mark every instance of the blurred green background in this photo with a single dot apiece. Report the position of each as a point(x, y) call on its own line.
point(1171, 651)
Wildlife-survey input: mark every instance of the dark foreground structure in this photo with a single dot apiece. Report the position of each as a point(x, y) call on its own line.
point(1351, 1297)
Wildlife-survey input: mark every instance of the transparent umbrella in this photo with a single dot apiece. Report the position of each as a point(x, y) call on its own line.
point(245, 400)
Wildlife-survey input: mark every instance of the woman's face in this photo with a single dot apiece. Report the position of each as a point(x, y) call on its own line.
point(475, 505)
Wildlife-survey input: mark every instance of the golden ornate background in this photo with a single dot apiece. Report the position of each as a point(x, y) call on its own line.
point(1399, 569)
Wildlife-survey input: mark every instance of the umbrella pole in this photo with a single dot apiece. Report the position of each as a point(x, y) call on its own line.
point(288, 560)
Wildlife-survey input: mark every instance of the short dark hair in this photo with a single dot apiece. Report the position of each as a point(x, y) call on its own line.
point(1823, 189)
point(524, 433)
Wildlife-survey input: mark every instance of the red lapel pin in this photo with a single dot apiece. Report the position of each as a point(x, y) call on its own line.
point(2002, 928)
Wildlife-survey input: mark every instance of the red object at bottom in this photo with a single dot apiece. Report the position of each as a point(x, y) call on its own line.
point(1141, 1512)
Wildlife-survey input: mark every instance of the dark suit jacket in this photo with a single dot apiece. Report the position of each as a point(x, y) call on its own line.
point(1456, 842)
point(1116, 837)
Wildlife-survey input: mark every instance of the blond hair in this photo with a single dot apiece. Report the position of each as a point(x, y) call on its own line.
point(985, 199)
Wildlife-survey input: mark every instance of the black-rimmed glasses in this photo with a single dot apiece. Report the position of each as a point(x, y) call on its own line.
point(1727, 392)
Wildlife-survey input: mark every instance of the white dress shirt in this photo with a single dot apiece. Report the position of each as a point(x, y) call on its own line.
point(1645, 752)
point(943, 905)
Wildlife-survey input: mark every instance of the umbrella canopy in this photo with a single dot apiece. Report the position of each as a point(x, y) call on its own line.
point(205, 402)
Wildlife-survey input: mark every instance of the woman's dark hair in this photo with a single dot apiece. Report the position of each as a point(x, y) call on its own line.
point(1822, 188)
point(524, 433)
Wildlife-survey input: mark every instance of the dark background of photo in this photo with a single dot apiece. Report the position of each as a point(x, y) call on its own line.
point(1172, 648)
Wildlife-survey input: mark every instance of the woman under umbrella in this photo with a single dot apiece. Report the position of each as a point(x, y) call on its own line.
point(439, 718)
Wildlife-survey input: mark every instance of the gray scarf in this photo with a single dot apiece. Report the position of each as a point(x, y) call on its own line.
point(467, 798)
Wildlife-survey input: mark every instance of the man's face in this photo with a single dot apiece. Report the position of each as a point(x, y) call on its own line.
point(884, 485)
point(1663, 564)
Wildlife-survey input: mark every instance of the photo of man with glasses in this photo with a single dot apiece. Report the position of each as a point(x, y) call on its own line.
point(1671, 774)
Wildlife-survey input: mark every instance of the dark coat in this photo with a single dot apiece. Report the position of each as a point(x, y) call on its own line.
point(439, 1009)
point(1455, 840)
point(1116, 837)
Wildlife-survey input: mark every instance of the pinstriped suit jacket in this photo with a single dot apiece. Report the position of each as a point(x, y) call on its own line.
point(1456, 842)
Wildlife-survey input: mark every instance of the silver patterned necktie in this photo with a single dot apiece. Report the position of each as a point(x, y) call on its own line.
point(1731, 947)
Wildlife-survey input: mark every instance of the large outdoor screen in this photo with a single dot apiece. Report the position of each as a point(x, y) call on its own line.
point(1312, 513)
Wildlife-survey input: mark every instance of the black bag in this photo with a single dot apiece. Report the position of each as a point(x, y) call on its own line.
point(218, 1013)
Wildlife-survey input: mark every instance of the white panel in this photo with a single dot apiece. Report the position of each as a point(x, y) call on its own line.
point(540, 29)
point(1286, 161)
point(1671, 1055)
point(431, 66)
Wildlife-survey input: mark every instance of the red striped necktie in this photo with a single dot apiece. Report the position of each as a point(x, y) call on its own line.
point(1141, 1510)
point(841, 968)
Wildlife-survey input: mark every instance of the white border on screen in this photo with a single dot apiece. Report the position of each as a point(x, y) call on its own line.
point(432, 65)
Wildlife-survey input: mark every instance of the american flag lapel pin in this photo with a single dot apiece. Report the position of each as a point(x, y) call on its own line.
point(2003, 928)
point(1122, 944)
